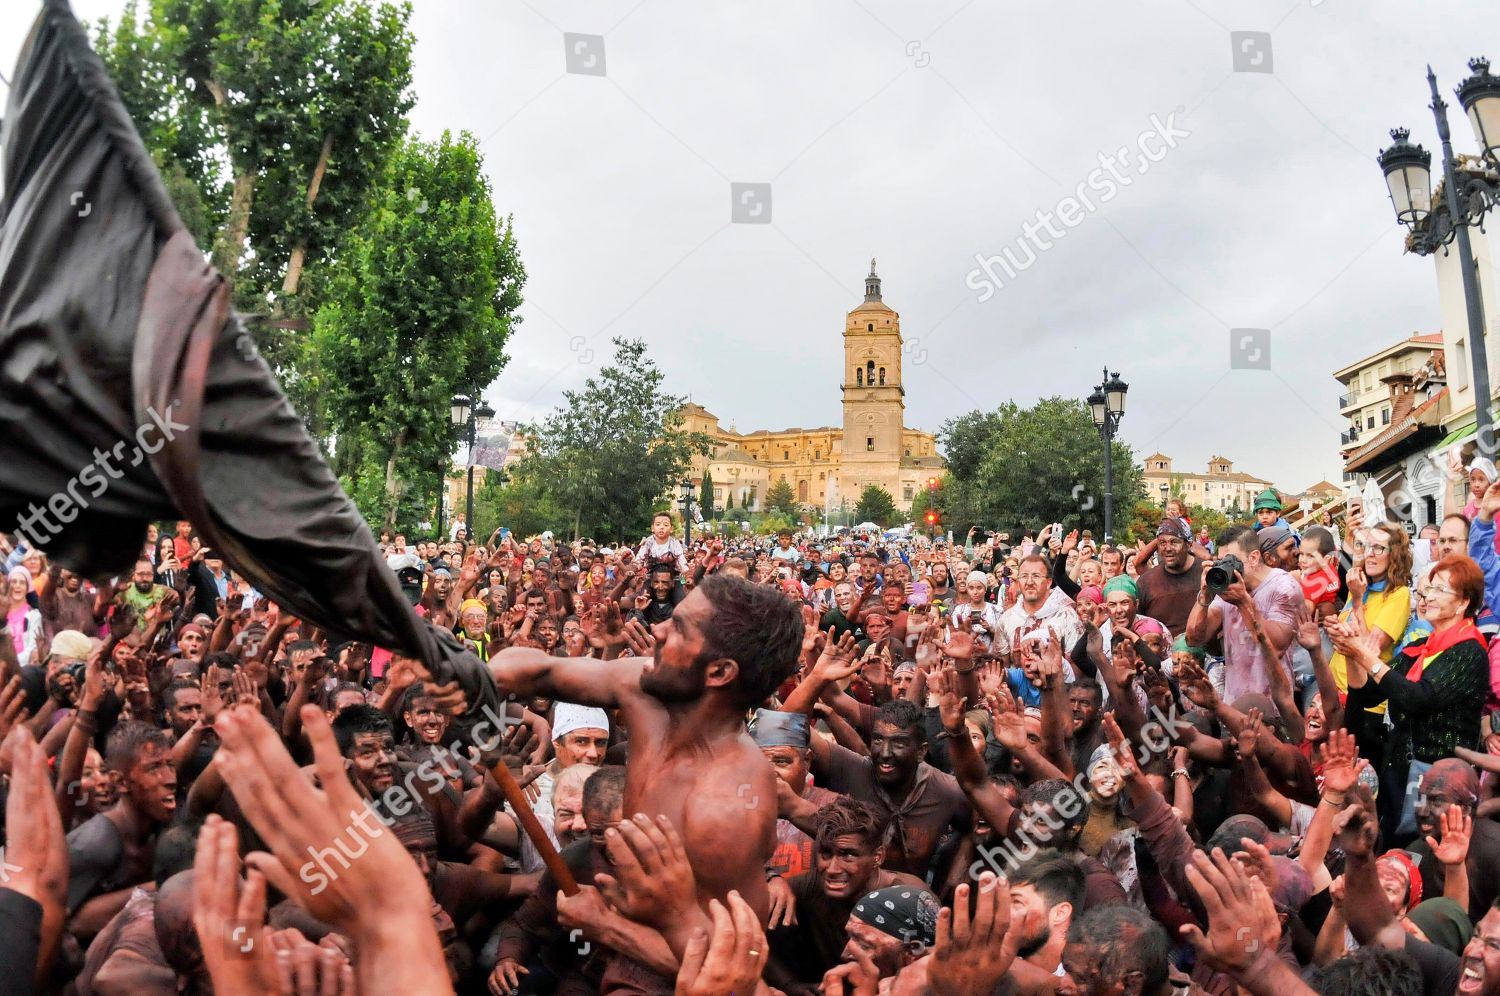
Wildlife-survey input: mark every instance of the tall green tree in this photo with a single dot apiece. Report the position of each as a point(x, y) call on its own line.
point(876, 505)
point(1021, 468)
point(706, 496)
point(781, 498)
point(419, 306)
point(279, 115)
point(610, 451)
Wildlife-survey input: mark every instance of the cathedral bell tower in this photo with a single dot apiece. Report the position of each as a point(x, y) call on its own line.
point(874, 400)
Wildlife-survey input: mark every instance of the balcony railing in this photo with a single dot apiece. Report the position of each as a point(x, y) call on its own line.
point(1345, 400)
point(1349, 437)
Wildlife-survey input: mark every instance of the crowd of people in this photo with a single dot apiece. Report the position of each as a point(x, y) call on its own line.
point(1261, 760)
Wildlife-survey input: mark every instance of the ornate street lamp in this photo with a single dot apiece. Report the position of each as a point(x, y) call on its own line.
point(465, 416)
point(1107, 406)
point(1408, 177)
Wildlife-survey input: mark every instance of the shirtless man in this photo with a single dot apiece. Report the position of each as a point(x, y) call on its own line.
point(724, 649)
point(111, 853)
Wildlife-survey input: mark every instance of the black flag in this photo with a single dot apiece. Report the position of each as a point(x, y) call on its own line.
point(127, 390)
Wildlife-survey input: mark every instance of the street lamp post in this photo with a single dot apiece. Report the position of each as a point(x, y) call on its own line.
point(1107, 406)
point(687, 512)
point(1408, 175)
point(1164, 492)
point(464, 415)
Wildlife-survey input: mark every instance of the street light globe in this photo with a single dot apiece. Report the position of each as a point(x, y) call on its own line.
point(1096, 407)
point(1114, 395)
point(1408, 177)
point(459, 409)
point(1480, 97)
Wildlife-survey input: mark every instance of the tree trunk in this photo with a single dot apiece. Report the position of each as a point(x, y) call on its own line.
point(238, 223)
point(299, 254)
point(390, 480)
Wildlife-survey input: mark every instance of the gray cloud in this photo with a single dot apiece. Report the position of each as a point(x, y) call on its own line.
point(924, 134)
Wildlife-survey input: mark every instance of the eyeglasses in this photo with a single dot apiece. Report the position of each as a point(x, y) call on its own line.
point(1377, 549)
point(1428, 591)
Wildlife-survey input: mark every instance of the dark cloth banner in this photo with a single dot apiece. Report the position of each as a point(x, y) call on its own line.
point(128, 388)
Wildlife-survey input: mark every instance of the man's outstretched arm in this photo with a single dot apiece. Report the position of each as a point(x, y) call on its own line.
point(526, 672)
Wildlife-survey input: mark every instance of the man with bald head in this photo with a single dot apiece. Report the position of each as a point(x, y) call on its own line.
point(1452, 782)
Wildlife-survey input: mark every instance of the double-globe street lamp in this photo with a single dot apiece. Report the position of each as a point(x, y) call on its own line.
point(1408, 177)
point(1107, 406)
point(465, 416)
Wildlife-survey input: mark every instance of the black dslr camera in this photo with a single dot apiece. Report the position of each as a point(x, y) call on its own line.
point(1220, 574)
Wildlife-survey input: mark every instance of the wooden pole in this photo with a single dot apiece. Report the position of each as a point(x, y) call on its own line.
point(561, 873)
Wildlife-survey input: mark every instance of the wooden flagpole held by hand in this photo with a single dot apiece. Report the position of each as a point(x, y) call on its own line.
point(561, 873)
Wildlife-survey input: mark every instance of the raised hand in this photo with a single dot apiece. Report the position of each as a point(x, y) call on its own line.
point(1340, 762)
point(960, 645)
point(1242, 922)
point(1247, 737)
point(36, 854)
point(1194, 682)
point(638, 638)
point(1009, 721)
point(1455, 829)
point(229, 915)
point(1310, 635)
point(1489, 503)
point(381, 901)
point(652, 881)
point(971, 954)
point(837, 661)
point(1355, 829)
point(213, 702)
point(950, 705)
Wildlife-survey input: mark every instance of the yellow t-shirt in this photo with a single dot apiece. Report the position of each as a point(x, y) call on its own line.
point(1388, 611)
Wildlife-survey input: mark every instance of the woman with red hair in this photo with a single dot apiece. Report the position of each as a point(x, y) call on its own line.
point(1435, 687)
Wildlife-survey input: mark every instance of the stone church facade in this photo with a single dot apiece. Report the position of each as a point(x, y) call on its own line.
point(830, 465)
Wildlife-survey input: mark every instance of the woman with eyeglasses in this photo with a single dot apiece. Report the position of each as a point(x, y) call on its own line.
point(1435, 687)
point(1379, 584)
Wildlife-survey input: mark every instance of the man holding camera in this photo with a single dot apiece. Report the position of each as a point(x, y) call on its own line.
point(1240, 593)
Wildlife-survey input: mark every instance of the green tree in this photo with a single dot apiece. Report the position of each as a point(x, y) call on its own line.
point(280, 114)
point(728, 502)
point(609, 450)
point(419, 306)
point(782, 499)
point(706, 496)
point(520, 502)
point(876, 505)
point(1021, 468)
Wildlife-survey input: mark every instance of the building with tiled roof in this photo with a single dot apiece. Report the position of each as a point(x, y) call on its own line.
point(1221, 487)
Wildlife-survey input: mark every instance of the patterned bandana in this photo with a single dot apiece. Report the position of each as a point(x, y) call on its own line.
point(902, 911)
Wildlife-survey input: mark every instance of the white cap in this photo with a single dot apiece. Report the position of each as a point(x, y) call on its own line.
point(567, 717)
point(1485, 466)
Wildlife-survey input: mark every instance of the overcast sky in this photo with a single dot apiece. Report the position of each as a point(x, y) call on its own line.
point(927, 135)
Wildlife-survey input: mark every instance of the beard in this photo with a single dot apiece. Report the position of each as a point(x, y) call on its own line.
point(1031, 945)
point(144, 587)
point(674, 684)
